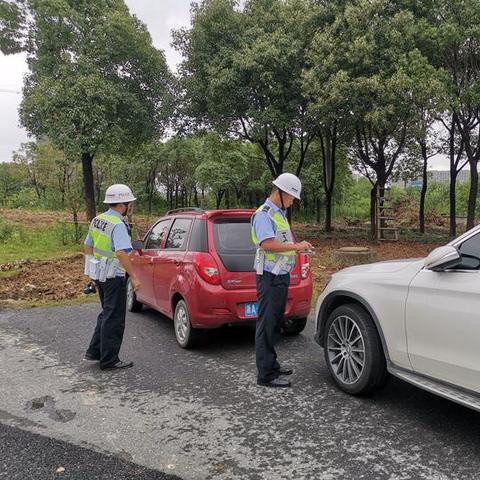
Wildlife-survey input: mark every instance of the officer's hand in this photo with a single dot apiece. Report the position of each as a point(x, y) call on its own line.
point(301, 246)
point(135, 283)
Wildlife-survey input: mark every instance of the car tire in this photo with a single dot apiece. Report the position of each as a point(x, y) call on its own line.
point(187, 336)
point(293, 326)
point(353, 350)
point(133, 305)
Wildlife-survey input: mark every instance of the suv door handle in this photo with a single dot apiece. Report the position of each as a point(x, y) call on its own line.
point(176, 262)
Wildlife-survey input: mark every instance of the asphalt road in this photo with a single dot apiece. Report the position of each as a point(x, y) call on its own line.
point(199, 414)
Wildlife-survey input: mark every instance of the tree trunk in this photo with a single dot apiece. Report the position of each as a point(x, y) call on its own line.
point(150, 198)
point(328, 143)
point(98, 187)
point(373, 213)
point(195, 196)
point(453, 202)
point(87, 159)
point(218, 197)
point(328, 210)
point(453, 180)
point(423, 193)
point(77, 228)
point(317, 208)
point(35, 186)
point(472, 196)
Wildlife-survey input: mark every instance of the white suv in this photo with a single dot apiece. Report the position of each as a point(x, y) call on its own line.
point(417, 319)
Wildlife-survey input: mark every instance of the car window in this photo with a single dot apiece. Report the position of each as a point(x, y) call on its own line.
point(234, 244)
point(156, 235)
point(198, 237)
point(177, 238)
point(470, 252)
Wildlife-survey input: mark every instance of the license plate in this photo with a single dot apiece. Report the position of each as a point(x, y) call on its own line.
point(251, 310)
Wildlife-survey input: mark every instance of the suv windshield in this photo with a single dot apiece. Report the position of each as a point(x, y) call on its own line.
point(234, 244)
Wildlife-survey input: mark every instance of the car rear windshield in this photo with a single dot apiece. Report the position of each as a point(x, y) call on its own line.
point(234, 244)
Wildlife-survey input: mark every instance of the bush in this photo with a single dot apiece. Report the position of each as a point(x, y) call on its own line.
point(6, 231)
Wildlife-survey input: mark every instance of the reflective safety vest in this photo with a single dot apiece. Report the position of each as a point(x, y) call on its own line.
point(277, 261)
point(101, 228)
point(103, 264)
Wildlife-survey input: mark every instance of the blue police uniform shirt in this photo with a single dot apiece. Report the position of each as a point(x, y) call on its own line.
point(120, 238)
point(265, 228)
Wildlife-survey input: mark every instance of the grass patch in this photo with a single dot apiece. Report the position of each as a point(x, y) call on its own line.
point(54, 241)
point(10, 273)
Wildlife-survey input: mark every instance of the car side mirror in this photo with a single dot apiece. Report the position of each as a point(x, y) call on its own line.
point(442, 258)
point(139, 246)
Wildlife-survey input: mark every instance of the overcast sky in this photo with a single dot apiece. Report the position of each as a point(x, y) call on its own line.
point(160, 16)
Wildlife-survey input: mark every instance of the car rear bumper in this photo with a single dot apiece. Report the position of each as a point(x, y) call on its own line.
point(213, 306)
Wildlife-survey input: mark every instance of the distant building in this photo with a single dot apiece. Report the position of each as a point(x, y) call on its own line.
point(435, 176)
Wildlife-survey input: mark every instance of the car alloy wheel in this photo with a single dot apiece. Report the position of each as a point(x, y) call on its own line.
point(353, 350)
point(186, 335)
point(181, 323)
point(133, 305)
point(346, 349)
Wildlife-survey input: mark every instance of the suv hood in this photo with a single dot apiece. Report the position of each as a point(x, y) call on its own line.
point(383, 267)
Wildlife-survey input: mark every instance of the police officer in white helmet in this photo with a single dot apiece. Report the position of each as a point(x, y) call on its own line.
point(107, 249)
point(275, 257)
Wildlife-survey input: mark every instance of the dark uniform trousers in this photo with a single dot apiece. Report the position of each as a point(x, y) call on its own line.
point(108, 335)
point(272, 291)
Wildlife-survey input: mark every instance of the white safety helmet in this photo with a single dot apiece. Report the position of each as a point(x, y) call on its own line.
point(118, 193)
point(289, 183)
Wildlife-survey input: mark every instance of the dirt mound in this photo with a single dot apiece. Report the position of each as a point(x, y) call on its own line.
point(42, 282)
point(34, 219)
point(323, 264)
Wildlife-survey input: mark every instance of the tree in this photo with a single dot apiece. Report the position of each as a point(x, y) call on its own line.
point(242, 73)
point(330, 118)
point(12, 20)
point(455, 152)
point(11, 181)
point(96, 83)
point(222, 167)
point(369, 52)
point(176, 174)
point(428, 102)
point(451, 39)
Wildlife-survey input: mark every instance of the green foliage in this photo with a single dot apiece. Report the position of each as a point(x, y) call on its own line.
point(95, 79)
point(356, 204)
point(242, 72)
point(271, 85)
point(11, 25)
point(21, 242)
point(96, 83)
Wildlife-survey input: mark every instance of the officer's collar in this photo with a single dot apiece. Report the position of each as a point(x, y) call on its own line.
point(275, 208)
point(113, 212)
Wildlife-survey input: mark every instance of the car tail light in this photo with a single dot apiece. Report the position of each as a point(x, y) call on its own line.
point(207, 268)
point(304, 265)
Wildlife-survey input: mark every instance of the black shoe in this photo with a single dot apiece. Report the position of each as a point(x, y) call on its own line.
point(275, 383)
point(91, 358)
point(117, 366)
point(285, 371)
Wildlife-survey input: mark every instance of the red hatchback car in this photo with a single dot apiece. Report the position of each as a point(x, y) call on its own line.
point(196, 267)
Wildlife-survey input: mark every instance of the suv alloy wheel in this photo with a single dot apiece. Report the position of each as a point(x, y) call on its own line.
point(353, 351)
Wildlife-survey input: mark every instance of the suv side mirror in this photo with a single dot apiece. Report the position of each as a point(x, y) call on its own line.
point(138, 245)
point(442, 258)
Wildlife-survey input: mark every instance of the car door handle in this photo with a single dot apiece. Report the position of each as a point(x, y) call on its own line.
point(176, 262)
